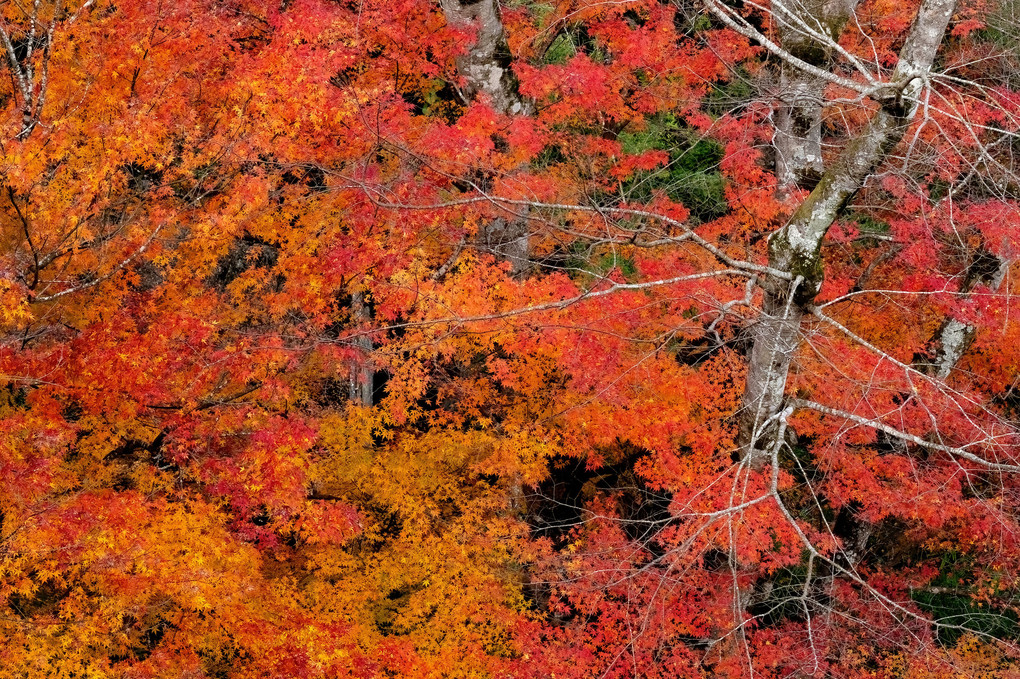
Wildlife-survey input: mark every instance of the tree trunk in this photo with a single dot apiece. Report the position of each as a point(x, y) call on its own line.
point(486, 71)
point(955, 336)
point(362, 375)
point(796, 248)
point(486, 66)
point(808, 30)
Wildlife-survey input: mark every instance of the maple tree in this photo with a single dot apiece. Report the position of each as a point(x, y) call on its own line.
point(572, 339)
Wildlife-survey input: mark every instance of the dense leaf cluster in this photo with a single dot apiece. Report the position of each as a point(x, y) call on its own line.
point(281, 397)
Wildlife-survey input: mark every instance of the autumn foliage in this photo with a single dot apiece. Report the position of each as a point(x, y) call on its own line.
point(273, 405)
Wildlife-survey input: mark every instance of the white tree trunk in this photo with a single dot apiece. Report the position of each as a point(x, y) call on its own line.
point(796, 248)
point(955, 336)
point(808, 29)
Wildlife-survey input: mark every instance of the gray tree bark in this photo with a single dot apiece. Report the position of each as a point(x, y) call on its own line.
point(360, 385)
point(486, 66)
point(796, 248)
point(808, 29)
point(955, 336)
point(486, 71)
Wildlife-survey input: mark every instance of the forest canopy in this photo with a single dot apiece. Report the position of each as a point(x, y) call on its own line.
point(509, 338)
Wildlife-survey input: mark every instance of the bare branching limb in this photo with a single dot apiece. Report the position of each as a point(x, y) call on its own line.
point(105, 277)
point(379, 198)
point(905, 436)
